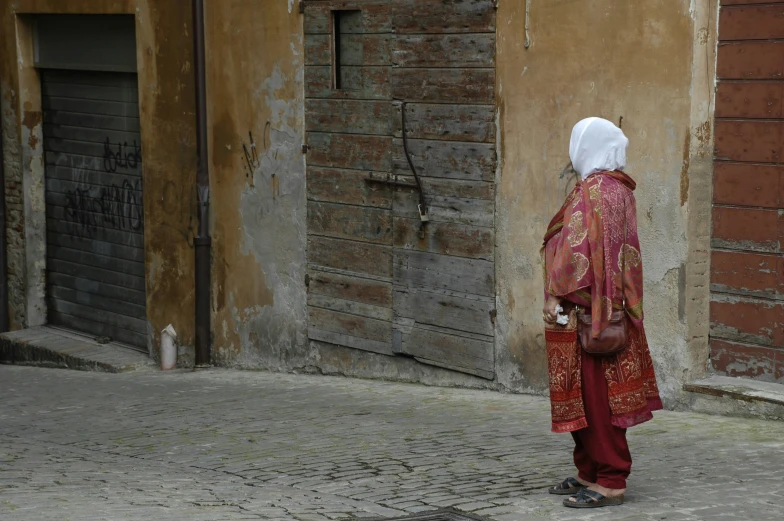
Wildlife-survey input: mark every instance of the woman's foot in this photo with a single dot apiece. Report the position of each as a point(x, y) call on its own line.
point(584, 482)
point(596, 496)
point(569, 486)
point(607, 492)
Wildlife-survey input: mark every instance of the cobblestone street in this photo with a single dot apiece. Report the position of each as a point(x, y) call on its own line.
point(242, 445)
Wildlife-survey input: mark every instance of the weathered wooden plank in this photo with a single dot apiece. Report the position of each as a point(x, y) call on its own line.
point(743, 319)
point(355, 49)
point(318, 20)
point(96, 121)
point(357, 83)
point(487, 375)
point(364, 344)
point(750, 61)
point(753, 229)
point(444, 85)
point(456, 188)
point(350, 151)
point(348, 116)
point(474, 212)
point(443, 16)
point(318, 49)
point(738, 2)
point(357, 289)
point(747, 273)
point(351, 307)
point(743, 360)
point(449, 160)
point(351, 325)
point(444, 50)
point(473, 123)
point(443, 310)
point(348, 187)
point(350, 222)
point(364, 50)
point(96, 288)
point(373, 18)
point(750, 99)
point(443, 272)
point(447, 238)
point(744, 184)
point(351, 256)
point(751, 23)
point(463, 354)
point(759, 141)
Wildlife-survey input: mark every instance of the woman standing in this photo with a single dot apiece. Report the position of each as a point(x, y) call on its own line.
point(593, 266)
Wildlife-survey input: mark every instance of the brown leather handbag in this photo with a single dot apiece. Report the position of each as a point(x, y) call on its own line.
point(612, 340)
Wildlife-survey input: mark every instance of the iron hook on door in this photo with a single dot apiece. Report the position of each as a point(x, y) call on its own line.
point(422, 206)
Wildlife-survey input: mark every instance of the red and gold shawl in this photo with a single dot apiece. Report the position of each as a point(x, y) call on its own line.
point(592, 258)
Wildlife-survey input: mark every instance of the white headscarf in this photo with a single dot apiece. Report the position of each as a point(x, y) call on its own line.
point(597, 146)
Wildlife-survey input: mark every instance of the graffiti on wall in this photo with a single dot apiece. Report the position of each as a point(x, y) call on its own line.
point(253, 159)
point(251, 156)
point(121, 155)
point(116, 205)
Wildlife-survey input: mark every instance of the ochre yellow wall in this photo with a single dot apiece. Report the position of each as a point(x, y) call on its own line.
point(255, 85)
point(651, 63)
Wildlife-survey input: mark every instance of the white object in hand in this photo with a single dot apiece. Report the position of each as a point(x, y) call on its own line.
point(561, 319)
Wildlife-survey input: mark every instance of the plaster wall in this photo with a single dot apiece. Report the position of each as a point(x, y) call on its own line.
point(255, 104)
point(652, 64)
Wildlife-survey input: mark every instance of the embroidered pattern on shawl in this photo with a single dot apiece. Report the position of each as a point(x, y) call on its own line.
point(592, 258)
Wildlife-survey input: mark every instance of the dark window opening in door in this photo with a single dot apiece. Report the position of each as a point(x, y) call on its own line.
point(344, 24)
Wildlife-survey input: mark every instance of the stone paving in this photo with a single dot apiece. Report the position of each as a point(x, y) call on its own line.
point(218, 445)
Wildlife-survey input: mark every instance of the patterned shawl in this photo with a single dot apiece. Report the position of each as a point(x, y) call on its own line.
point(592, 258)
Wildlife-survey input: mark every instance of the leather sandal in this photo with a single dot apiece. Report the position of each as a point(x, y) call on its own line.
point(592, 499)
point(569, 486)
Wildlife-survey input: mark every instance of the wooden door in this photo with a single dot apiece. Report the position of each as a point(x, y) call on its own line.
point(379, 280)
point(747, 260)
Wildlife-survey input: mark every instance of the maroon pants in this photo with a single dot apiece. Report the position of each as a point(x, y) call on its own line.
point(601, 453)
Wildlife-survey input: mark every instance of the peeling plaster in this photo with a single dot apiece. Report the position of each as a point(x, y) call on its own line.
point(274, 233)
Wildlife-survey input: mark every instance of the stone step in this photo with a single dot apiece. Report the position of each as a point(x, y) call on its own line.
point(737, 397)
point(54, 347)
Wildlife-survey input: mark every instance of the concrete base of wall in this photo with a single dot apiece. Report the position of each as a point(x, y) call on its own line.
point(50, 347)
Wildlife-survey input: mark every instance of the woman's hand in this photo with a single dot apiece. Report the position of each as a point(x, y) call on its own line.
point(548, 313)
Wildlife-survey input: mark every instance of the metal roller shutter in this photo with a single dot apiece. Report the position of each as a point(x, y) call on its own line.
point(94, 215)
